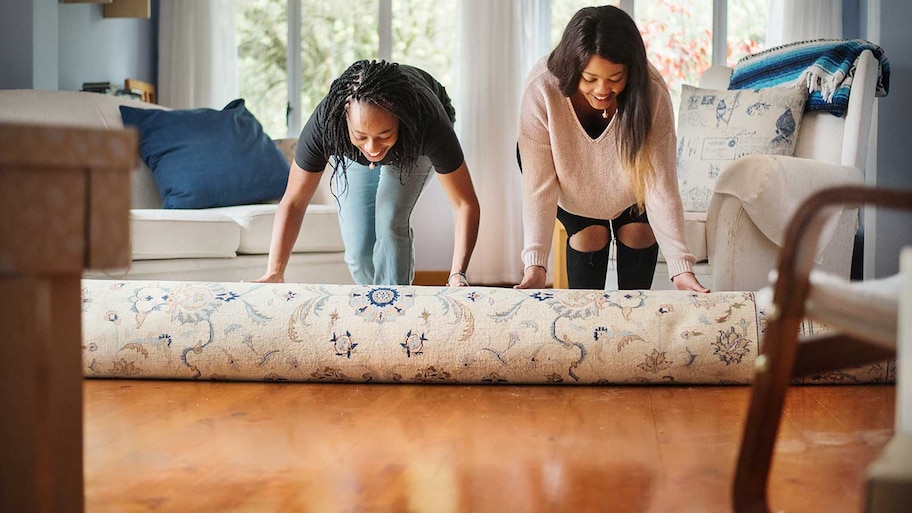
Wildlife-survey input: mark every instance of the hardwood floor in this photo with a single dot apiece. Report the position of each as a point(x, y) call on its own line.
point(263, 447)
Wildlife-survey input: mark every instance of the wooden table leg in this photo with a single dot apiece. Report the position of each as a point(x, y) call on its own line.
point(40, 395)
point(64, 208)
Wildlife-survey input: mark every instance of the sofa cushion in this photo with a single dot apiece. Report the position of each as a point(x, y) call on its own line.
point(202, 158)
point(162, 234)
point(716, 127)
point(319, 231)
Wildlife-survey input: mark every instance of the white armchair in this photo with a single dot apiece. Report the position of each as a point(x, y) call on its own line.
point(756, 196)
point(738, 239)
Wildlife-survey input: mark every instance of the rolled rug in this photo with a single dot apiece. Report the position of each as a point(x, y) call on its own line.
point(405, 334)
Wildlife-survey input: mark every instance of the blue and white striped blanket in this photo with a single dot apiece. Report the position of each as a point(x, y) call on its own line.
point(825, 66)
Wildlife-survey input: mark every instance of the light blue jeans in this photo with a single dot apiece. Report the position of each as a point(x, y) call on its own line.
point(375, 211)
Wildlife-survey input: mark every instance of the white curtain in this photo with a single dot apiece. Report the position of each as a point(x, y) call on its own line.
point(197, 54)
point(802, 20)
point(498, 42)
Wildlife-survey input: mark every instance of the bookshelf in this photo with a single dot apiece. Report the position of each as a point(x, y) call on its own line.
point(128, 9)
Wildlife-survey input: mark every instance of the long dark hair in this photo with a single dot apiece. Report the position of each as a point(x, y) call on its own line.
point(382, 84)
point(611, 34)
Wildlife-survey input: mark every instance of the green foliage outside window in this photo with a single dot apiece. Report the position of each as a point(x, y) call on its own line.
point(262, 38)
point(424, 35)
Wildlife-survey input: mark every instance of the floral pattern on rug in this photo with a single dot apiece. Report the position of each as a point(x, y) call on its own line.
point(347, 333)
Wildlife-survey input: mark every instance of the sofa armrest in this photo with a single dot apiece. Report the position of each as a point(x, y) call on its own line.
point(323, 195)
point(771, 187)
point(287, 147)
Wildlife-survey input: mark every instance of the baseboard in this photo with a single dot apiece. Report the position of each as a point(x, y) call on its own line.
point(432, 278)
point(659, 282)
point(439, 279)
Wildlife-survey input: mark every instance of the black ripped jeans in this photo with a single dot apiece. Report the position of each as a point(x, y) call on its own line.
point(588, 270)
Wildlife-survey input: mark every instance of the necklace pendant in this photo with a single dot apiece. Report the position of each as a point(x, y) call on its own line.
point(605, 114)
point(372, 165)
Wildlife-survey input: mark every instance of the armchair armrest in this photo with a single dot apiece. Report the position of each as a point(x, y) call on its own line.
point(771, 187)
point(753, 201)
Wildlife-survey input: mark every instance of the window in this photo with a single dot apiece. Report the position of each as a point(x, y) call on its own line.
point(747, 21)
point(678, 37)
point(262, 43)
point(424, 35)
point(332, 36)
point(329, 37)
point(563, 10)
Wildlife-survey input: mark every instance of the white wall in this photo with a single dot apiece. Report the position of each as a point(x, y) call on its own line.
point(433, 223)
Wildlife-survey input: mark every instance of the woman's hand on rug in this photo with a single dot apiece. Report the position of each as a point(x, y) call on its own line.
point(688, 281)
point(269, 278)
point(533, 278)
point(457, 279)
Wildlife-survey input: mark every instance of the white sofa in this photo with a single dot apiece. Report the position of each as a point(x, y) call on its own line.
point(214, 244)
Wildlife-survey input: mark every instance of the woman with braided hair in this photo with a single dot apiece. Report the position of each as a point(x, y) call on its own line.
point(382, 127)
point(597, 150)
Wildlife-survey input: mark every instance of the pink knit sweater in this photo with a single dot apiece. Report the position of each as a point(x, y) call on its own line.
point(563, 166)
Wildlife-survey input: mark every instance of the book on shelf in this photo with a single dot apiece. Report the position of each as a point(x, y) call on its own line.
point(136, 94)
point(98, 87)
point(112, 89)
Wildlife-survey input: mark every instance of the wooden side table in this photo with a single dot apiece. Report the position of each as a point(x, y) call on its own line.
point(559, 256)
point(64, 208)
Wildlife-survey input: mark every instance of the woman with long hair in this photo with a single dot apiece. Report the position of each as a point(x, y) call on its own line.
point(597, 150)
point(382, 128)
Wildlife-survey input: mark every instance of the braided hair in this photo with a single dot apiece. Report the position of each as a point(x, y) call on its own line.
point(382, 84)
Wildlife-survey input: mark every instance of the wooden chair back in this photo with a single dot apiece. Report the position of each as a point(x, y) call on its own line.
point(146, 89)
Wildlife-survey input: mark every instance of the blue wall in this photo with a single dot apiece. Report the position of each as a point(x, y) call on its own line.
point(16, 65)
point(851, 19)
point(93, 48)
point(51, 45)
point(894, 130)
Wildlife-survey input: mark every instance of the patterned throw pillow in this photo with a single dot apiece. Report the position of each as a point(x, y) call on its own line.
point(717, 127)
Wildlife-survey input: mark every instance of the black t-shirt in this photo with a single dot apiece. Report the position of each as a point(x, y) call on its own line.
point(438, 141)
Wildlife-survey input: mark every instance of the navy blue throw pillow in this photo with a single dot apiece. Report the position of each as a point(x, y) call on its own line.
point(203, 158)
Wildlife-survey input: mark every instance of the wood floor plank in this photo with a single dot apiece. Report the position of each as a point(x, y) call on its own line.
point(699, 430)
point(605, 455)
point(825, 443)
point(153, 446)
